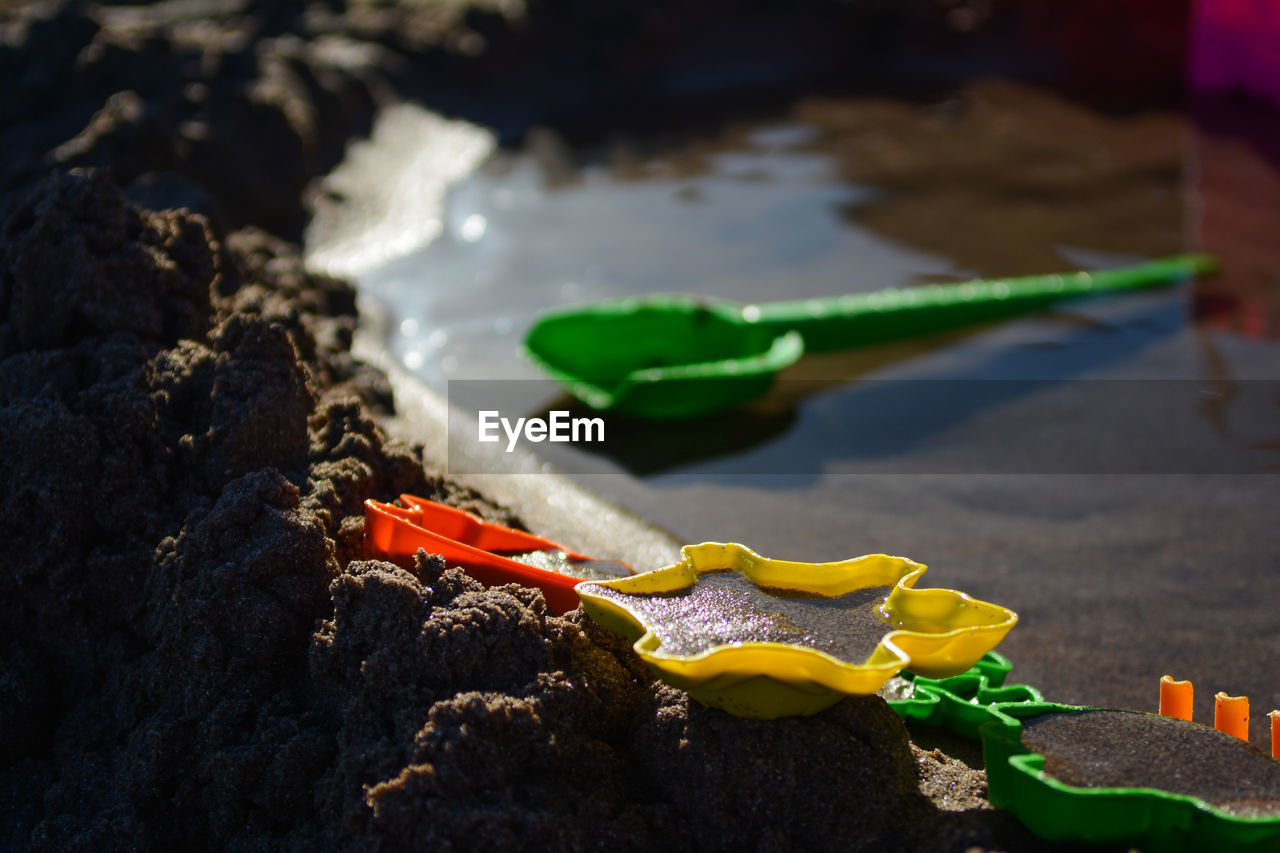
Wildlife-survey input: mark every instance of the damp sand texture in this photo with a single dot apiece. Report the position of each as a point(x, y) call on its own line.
point(1129, 749)
point(561, 563)
point(725, 609)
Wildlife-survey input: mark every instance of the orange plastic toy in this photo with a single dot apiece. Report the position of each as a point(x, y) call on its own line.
point(396, 533)
point(1231, 715)
point(1275, 733)
point(1175, 698)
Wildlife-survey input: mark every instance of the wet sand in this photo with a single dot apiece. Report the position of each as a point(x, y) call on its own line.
point(562, 563)
point(1118, 749)
point(725, 608)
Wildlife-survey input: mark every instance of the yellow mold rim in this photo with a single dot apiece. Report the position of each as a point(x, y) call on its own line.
point(936, 632)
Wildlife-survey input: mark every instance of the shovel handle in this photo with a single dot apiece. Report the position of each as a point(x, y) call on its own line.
point(859, 319)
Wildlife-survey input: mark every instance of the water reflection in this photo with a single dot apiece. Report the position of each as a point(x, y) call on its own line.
point(647, 448)
point(999, 176)
point(999, 409)
point(839, 195)
point(1236, 173)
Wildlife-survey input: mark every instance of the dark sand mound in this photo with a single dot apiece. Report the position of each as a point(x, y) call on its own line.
point(192, 659)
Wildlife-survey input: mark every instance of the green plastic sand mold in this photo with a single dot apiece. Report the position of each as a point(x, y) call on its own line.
point(978, 705)
point(961, 703)
point(937, 632)
point(1153, 820)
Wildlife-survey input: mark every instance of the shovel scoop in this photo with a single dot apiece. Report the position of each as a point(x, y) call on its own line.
point(668, 357)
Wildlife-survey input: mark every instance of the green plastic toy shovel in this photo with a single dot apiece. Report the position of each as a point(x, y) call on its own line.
point(666, 357)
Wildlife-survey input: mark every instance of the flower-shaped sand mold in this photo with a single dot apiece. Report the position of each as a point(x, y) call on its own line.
point(771, 638)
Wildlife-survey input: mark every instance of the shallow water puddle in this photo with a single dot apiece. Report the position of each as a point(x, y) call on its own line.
point(837, 195)
point(755, 217)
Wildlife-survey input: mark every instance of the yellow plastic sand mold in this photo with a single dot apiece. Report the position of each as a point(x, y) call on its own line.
point(936, 633)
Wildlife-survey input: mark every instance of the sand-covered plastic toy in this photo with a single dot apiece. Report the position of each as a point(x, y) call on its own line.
point(1158, 782)
point(666, 357)
point(754, 636)
point(959, 703)
point(1130, 778)
point(492, 553)
point(768, 638)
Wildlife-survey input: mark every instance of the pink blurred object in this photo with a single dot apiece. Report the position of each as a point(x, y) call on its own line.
point(1236, 45)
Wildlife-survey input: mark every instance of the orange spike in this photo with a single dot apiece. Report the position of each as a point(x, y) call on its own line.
point(1275, 733)
point(1231, 715)
point(1175, 698)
